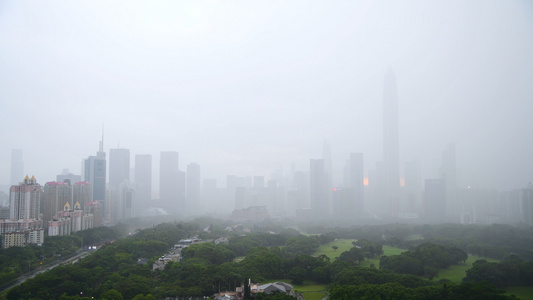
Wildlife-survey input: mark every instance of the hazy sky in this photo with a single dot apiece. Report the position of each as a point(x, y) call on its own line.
point(247, 87)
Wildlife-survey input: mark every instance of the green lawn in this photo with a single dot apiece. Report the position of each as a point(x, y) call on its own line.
point(387, 250)
point(343, 244)
point(456, 273)
point(521, 292)
point(310, 290)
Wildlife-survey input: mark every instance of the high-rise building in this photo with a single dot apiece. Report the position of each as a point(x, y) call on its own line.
point(413, 188)
point(527, 204)
point(94, 172)
point(435, 199)
point(81, 193)
point(391, 152)
point(56, 195)
point(119, 167)
point(354, 180)
point(119, 173)
point(169, 174)
point(25, 200)
point(317, 189)
point(194, 204)
point(143, 182)
point(449, 174)
point(17, 166)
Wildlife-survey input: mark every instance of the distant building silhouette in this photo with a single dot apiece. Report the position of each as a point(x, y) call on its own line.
point(170, 182)
point(317, 186)
point(119, 176)
point(391, 148)
point(194, 203)
point(143, 182)
point(435, 199)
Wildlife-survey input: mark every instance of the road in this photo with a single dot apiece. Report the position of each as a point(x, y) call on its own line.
point(22, 278)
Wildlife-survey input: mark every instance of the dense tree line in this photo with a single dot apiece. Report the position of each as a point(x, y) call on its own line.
point(115, 272)
point(512, 272)
point(424, 260)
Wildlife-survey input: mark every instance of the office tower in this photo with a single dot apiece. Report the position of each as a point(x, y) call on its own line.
point(17, 166)
point(169, 173)
point(527, 204)
point(56, 195)
point(449, 174)
point(354, 180)
point(66, 175)
point(391, 156)
point(125, 205)
point(194, 204)
point(435, 199)
point(119, 172)
point(94, 172)
point(143, 182)
point(413, 187)
point(25, 200)
point(81, 193)
point(328, 171)
point(448, 168)
point(119, 167)
point(317, 189)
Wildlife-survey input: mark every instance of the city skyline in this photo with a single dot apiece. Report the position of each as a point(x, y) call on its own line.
point(251, 88)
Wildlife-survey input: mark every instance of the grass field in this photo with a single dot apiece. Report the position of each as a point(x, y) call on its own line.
point(456, 273)
point(310, 290)
point(521, 292)
point(343, 244)
point(387, 250)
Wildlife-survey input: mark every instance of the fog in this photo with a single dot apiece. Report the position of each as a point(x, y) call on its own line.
point(248, 87)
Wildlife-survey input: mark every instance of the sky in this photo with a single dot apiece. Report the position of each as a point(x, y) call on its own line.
point(251, 87)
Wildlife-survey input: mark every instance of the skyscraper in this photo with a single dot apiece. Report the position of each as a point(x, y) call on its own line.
point(391, 148)
point(119, 167)
point(169, 174)
point(317, 189)
point(94, 172)
point(17, 166)
point(119, 175)
point(354, 180)
point(194, 204)
point(143, 182)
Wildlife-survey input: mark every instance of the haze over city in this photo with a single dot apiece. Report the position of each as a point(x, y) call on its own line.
point(248, 88)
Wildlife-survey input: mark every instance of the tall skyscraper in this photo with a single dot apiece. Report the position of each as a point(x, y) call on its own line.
point(143, 182)
point(169, 174)
point(354, 180)
point(435, 199)
point(413, 188)
point(17, 166)
point(25, 200)
point(119, 175)
point(119, 167)
point(94, 172)
point(194, 203)
point(317, 192)
point(391, 148)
